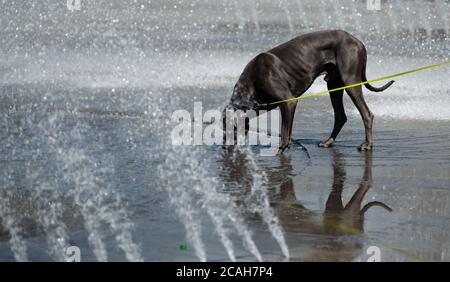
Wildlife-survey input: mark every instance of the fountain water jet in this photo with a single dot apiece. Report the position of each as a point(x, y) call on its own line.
point(9, 222)
point(259, 202)
point(285, 7)
point(188, 190)
point(98, 205)
point(254, 11)
point(49, 216)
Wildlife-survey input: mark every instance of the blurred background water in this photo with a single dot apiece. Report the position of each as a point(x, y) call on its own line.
point(86, 160)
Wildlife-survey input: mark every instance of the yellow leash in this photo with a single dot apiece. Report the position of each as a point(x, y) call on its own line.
point(362, 83)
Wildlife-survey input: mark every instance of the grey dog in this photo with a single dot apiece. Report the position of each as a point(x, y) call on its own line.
point(289, 69)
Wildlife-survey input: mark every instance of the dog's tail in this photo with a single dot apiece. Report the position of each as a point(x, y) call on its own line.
point(372, 204)
point(373, 88)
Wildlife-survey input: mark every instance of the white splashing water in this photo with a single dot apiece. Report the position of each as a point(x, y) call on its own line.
point(285, 6)
point(239, 14)
point(101, 207)
point(9, 222)
point(102, 210)
point(182, 201)
point(49, 216)
point(8, 216)
point(190, 188)
point(254, 12)
point(92, 195)
point(259, 202)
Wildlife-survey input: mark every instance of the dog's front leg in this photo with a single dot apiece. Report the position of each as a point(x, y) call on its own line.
point(287, 118)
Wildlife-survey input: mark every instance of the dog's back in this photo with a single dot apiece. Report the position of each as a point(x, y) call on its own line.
point(320, 47)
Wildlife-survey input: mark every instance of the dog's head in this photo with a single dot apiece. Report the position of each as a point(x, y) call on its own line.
point(243, 97)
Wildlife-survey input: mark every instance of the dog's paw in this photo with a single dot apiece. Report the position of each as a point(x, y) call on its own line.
point(281, 149)
point(326, 143)
point(365, 147)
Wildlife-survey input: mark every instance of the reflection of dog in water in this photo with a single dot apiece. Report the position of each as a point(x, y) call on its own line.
point(351, 214)
point(326, 229)
point(337, 219)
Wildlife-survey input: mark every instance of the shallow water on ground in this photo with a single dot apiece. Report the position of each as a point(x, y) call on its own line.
point(86, 158)
point(119, 153)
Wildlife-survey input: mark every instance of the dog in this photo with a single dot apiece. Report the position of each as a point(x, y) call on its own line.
point(289, 69)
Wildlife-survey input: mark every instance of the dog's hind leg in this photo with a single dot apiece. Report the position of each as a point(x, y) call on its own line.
point(350, 62)
point(339, 113)
point(356, 95)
